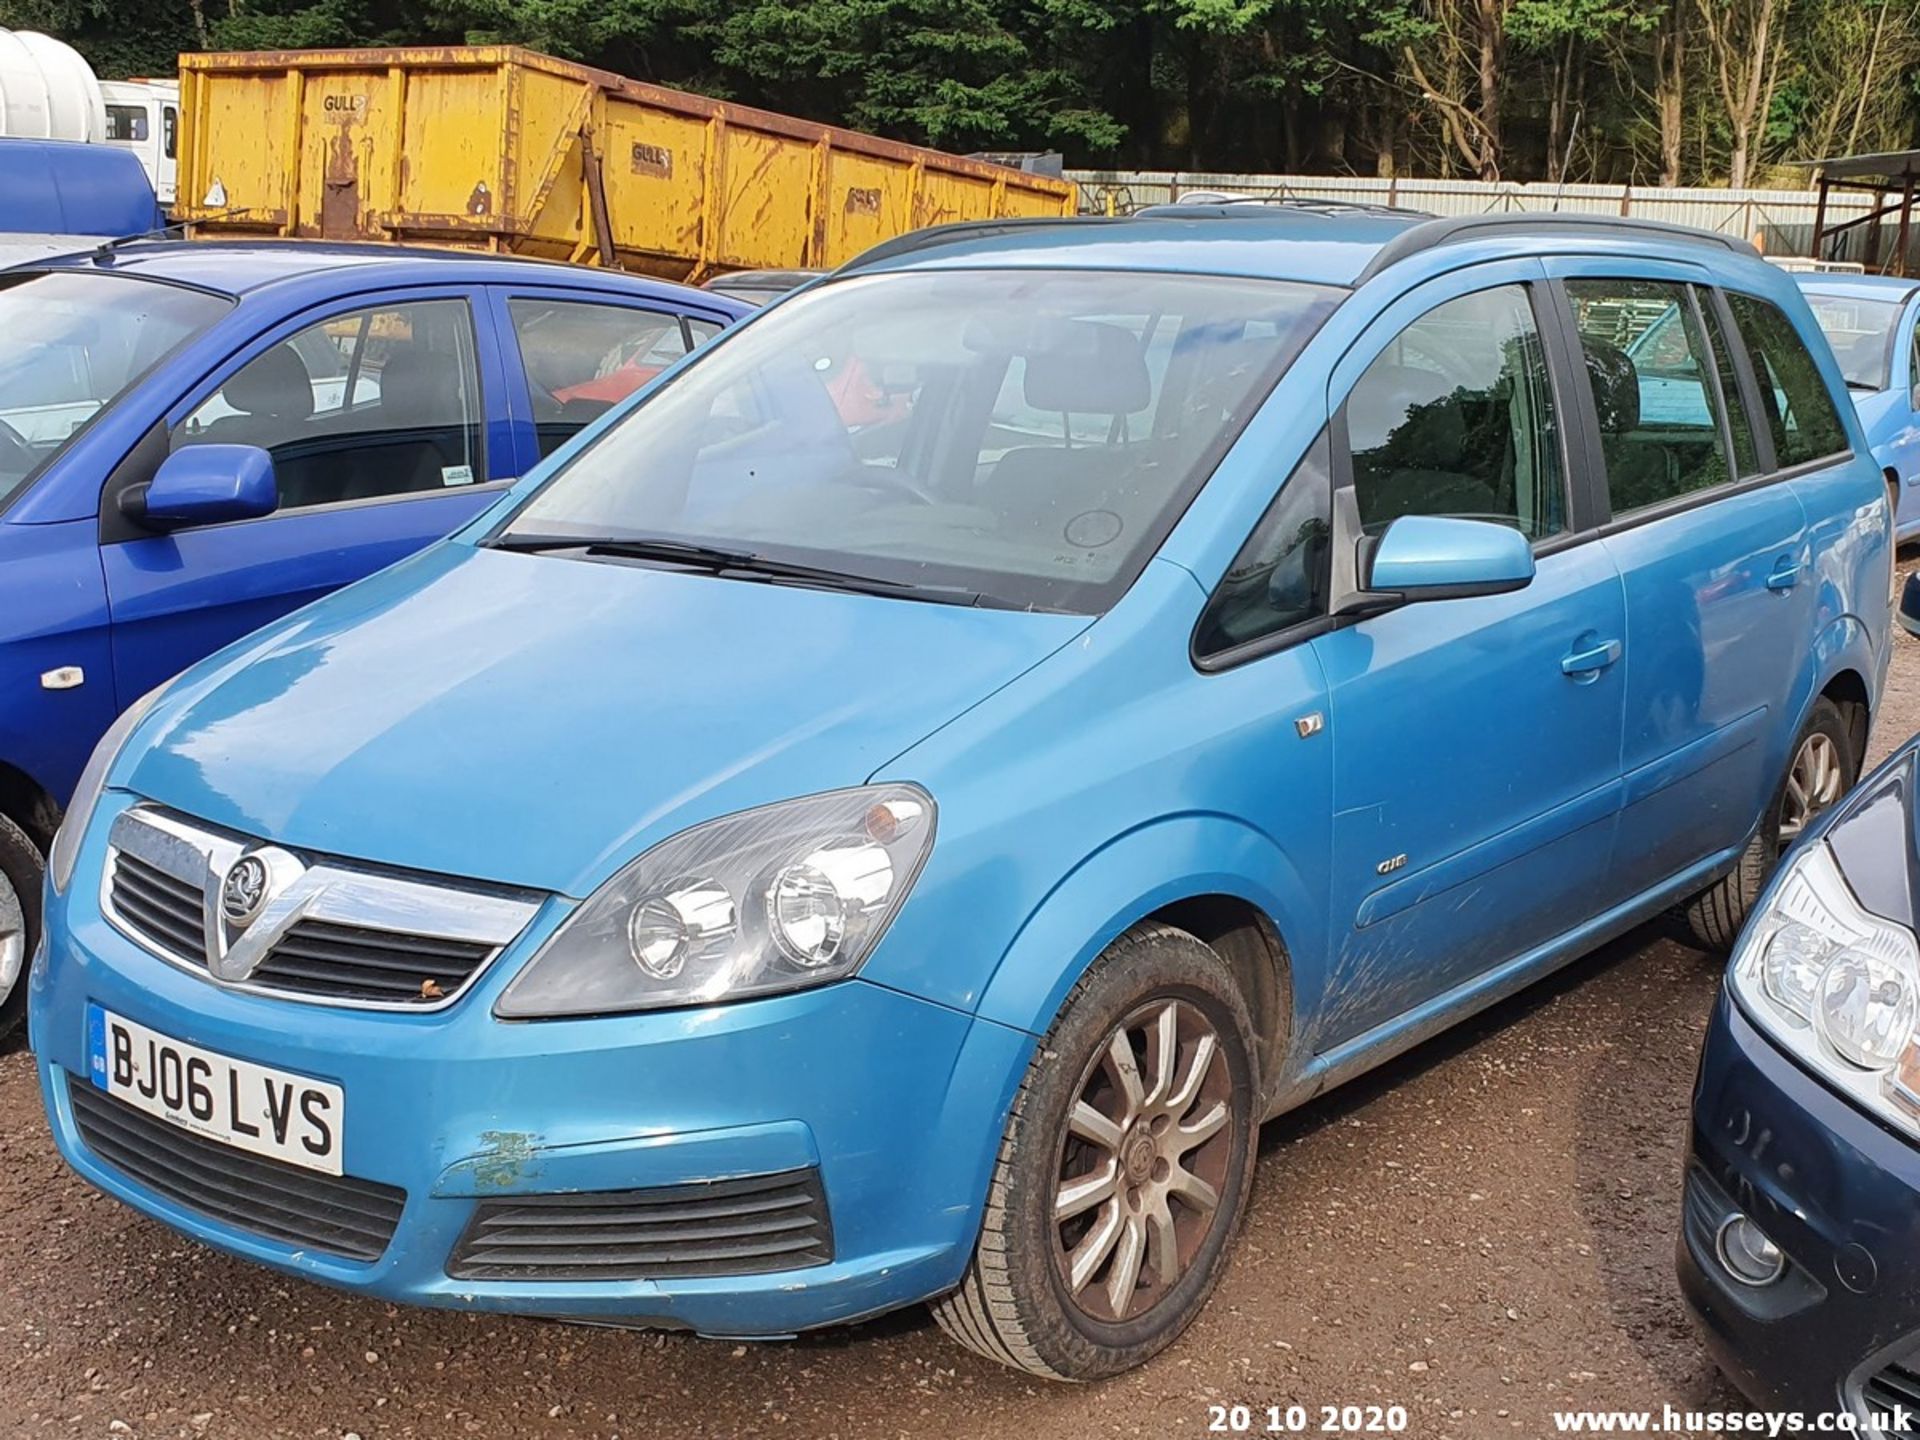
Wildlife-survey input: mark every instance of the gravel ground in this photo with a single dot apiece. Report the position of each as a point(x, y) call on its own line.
point(1481, 1232)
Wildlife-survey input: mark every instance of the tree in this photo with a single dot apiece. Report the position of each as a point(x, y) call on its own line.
point(1670, 87)
point(1566, 33)
point(954, 73)
point(1744, 54)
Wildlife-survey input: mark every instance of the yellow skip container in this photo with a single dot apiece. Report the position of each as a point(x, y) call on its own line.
point(499, 148)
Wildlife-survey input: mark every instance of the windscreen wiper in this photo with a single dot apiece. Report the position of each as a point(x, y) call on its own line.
point(679, 552)
point(718, 560)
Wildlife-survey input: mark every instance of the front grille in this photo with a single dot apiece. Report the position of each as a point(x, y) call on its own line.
point(1896, 1387)
point(675, 1232)
point(324, 930)
point(163, 908)
point(351, 962)
point(269, 1198)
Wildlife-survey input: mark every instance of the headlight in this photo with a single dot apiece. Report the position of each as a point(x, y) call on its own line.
point(86, 794)
point(1837, 986)
point(779, 898)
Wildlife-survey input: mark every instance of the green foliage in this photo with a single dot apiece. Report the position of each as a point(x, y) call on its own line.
point(1539, 24)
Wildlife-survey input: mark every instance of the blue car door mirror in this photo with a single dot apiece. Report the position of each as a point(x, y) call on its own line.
point(205, 485)
point(1437, 557)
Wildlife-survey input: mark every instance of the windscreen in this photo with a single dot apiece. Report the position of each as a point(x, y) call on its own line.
point(1859, 331)
point(1026, 435)
point(70, 343)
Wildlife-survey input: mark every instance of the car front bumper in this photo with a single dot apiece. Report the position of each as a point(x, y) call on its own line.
point(895, 1102)
point(1840, 1195)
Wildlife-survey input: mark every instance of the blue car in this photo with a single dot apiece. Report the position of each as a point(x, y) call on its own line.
point(886, 818)
point(1798, 1256)
point(196, 439)
point(1870, 321)
point(75, 188)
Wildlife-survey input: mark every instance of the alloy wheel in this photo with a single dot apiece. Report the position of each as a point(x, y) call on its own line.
point(1815, 781)
point(1148, 1151)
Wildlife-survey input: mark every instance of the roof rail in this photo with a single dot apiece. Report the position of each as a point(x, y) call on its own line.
point(1252, 206)
point(1458, 229)
point(935, 235)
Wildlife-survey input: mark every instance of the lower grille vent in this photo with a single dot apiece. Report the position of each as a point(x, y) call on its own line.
point(726, 1227)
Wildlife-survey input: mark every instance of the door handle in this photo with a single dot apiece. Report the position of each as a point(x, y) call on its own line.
point(1786, 575)
point(1587, 664)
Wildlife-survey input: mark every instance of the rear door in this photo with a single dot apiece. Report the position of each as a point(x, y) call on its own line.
point(1803, 431)
point(376, 412)
point(1476, 741)
point(572, 355)
point(1713, 553)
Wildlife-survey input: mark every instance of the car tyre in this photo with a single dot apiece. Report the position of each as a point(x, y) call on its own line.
point(1823, 768)
point(1118, 1158)
point(21, 871)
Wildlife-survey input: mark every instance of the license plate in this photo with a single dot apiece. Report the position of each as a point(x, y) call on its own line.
point(250, 1107)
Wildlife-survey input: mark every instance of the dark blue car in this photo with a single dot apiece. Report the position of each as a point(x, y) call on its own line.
point(195, 439)
point(1800, 1249)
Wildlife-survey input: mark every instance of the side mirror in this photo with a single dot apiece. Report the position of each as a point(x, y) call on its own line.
point(1436, 557)
point(205, 485)
point(1908, 611)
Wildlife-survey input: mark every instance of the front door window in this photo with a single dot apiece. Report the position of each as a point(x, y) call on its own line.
point(376, 402)
point(1456, 418)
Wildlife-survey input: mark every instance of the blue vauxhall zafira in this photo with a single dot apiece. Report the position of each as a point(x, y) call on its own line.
point(884, 815)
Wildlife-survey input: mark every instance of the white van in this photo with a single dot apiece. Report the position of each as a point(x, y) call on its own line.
point(144, 116)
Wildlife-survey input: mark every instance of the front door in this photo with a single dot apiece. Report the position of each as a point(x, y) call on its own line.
point(1476, 741)
point(375, 417)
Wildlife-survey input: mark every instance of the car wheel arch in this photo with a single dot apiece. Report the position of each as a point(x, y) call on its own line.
point(1847, 688)
point(1196, 873)
point(28, 804)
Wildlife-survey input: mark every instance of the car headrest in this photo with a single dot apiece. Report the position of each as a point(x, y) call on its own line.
point(1616, 386)
point(274, 384)
point(419, 389)
point(1088, 368)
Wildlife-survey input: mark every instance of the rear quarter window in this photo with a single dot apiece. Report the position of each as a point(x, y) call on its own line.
point(1799, 409)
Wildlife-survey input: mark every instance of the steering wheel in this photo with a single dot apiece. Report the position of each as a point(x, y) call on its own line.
point(874, 479)
point(15, 453)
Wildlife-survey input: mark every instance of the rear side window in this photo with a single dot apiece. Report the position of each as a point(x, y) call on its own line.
point(1455, 417)
point(1799, 408)
point(1647, 365)
point(1279, 578)
point(582, 359)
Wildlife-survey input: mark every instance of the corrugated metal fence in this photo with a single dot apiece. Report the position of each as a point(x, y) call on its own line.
point(1779, 221)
